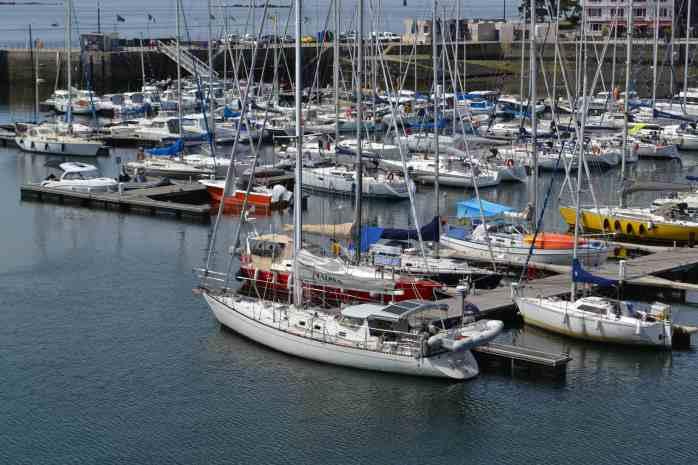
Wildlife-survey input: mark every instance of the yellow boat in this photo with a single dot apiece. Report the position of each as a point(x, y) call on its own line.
point(636, 224)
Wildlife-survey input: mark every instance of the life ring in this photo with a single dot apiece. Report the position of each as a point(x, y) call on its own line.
point(509, 163)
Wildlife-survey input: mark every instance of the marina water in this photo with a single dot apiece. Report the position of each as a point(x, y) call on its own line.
point(108, 358)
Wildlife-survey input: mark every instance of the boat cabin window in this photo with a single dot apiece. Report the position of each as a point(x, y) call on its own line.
point(173, 126)
point(350, 322)
point(592, 309)
point(137, 98)
point(81, 175)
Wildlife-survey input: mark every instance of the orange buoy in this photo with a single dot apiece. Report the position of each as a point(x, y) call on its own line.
point(552, 241)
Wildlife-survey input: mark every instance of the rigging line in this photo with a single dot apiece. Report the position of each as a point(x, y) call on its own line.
point(539, 222)
point(401, 149)
point(228, 177)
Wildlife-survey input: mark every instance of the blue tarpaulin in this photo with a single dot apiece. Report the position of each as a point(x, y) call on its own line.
point(471, 209)
point(170, 150)
point(580, 275)
point(371, 234)
point(228, 113)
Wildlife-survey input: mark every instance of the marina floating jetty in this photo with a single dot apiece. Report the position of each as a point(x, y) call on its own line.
point(179, 201)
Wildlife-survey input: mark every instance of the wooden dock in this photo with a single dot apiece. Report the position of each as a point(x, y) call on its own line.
point(167, 201)
point(517, 360)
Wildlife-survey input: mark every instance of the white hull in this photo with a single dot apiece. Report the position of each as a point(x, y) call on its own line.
point(563, 318)
point(513, 254)
point(238, 315)
point(340, 182)
point(56, 147)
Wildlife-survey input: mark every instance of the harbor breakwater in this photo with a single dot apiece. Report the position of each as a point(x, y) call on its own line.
point(492, 65)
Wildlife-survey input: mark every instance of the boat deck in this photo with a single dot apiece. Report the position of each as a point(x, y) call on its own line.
point(169, 201)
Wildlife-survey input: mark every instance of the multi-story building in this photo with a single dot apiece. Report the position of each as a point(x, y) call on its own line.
point(602, 14)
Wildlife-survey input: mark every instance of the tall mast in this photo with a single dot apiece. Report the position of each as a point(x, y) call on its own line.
point(580, 144)
point(68, 31)
point(458, 84)
point(142, 61)
point(626, 107)
point(335, 76)
point(297, 192)
point(685, 66)
point(523, 67)
point(212, 102)
point(435, 62)
point(179, 70)
point(532, 102)
point(656, 53)
point(359, 127)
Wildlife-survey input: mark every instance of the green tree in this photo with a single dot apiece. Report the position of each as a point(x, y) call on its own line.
point(570, 10)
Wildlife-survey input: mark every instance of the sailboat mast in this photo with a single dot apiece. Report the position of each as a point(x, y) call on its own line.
point(359, 128)
point(179, 70)
point(435, 63)
point(211, 100)
point(685, 66)
point(335, 77)
point(532, 102)
point(297, 188)
point(68, 31)
point(656, 54)
point(142, 62)
point(581, 148)
point(626, 103)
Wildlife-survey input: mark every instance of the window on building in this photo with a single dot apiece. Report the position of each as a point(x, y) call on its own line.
point(595, 27)
point(594, 12)
point(664, 12)
point(640, 12)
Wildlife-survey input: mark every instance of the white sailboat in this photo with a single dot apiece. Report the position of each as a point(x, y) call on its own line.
point(412, 338)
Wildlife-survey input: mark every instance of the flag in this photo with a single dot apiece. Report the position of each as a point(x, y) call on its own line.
point(120, 19)
point(151, 18)
point(212, 17)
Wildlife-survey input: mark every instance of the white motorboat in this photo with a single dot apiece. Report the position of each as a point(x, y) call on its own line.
point(453, 172)
point(81, 177)
point(408, 338)
point(54, 139)
point(380, 149)
point(162, 129)
point(341, 180)
point(155, 166)
point(511, 243)
point(684, 135)
point(601, 319)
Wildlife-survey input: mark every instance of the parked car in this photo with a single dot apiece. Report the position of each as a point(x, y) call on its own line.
point(308, 39)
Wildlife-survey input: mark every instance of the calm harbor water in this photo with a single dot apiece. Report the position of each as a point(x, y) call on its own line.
point(108, 358)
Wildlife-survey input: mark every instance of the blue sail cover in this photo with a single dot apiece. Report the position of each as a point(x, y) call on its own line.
point(580, 275)
point(371, 234)
point(672, 115)
point(169, 150)
point(471, 209)
point(228, 113)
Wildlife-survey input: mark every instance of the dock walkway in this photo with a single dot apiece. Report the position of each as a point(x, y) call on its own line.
point(637, 269)
point(164, 200)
